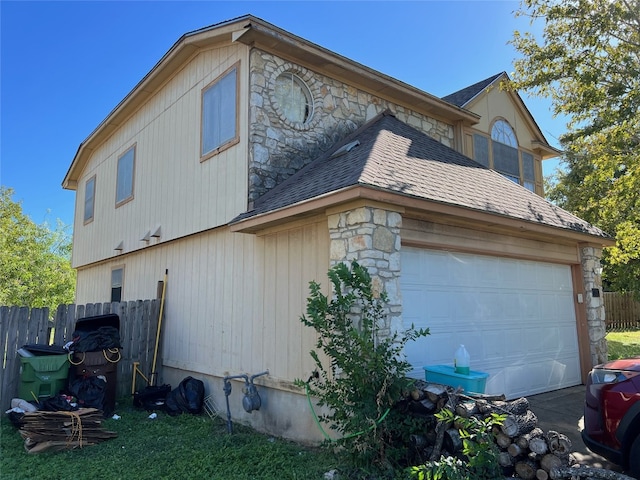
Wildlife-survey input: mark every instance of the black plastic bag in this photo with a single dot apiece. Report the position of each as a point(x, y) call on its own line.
point(188, 397)
point(57, 403)
point(103, 338)
point(152, 397)
point(90, 392)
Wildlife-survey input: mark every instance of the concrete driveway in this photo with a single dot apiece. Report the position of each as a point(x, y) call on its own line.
point(562, 411)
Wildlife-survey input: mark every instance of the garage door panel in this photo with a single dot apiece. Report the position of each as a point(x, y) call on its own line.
point(515, 317)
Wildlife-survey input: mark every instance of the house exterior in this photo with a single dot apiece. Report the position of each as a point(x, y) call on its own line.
point(249, 160)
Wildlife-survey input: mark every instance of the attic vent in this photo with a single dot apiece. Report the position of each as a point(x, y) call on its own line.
point(345, 148)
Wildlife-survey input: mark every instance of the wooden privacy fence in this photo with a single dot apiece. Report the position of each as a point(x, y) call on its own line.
point(23, 326)
point(622, 311)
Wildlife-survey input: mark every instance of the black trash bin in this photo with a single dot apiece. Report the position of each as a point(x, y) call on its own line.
point(96, 353)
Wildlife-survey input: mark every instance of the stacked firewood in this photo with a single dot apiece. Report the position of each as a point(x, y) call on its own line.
point(51, 431)
point(525, 450)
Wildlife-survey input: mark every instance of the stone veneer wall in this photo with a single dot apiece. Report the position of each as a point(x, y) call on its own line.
point(596, 320)
point(371, 236)
point(279, 148)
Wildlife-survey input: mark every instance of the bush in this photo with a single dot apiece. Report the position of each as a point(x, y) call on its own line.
point(479, 450)
point(363, 373)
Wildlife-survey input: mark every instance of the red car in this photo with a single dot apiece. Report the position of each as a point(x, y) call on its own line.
point(612, 413)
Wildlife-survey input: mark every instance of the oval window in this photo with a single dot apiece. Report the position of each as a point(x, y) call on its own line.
point(294, 98)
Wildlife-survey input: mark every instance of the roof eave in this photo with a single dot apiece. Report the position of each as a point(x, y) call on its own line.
point(407, 203)
point(271, 39)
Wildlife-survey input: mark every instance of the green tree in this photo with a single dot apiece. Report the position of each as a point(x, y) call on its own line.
point(35, 266)
point(587, 61)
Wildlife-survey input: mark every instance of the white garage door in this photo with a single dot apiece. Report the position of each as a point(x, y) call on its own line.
point(515, 317)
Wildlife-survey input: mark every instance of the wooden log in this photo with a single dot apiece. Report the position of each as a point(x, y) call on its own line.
point(586, 472)
point(515, 425)
point(424, 406)
point(452, 440)
point(466, 409)
point(518, 406)
point(559, 443)
point(416, 394)
point(441, 427)
point(526, 469)
point(503, 441)
point(523, 440)
point(505, 460)
point(538, 445)
point(542, 474)
point(435, 392)
point(418, 441)
point(549, 461)
point(484, 396)
point(514, 450)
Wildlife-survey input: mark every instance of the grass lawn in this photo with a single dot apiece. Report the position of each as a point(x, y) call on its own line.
point(182, 447)
point(623, 344)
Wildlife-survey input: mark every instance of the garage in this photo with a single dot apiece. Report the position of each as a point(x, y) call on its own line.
point(515, 317)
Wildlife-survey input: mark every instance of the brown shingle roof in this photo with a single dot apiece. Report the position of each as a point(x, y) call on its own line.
point(394, 157)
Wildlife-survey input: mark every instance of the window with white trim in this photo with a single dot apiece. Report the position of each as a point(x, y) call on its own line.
point(124, 181)
point(219, 113)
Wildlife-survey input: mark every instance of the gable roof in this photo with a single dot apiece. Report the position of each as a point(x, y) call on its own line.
point(388, 155)
point(464, 96)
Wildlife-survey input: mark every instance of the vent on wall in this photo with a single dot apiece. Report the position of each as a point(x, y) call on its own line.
point(346, 148)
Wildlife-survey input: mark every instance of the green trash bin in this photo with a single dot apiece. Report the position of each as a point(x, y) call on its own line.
point(43, 376)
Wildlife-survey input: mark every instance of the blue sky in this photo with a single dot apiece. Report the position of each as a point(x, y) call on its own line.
point(66, 65)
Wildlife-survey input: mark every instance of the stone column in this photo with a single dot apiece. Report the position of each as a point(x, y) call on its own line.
point(596, 320)
point(371, 236)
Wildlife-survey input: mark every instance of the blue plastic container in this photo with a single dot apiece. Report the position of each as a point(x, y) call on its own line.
point(474, 382)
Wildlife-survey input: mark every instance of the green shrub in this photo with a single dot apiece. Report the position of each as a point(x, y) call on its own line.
point(478, 447)
point(366, 371)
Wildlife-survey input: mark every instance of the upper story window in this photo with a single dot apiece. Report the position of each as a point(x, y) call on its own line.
point(502, 153)
point(124, 181)
point(528, 171)
point(89, 199)
point(293, 97)
point(503, 133)
point(505, 150)
point(219, 113)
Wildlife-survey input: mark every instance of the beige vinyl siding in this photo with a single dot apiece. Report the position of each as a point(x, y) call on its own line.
point(233, 301)
point(420, 233)
point(173, 189)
